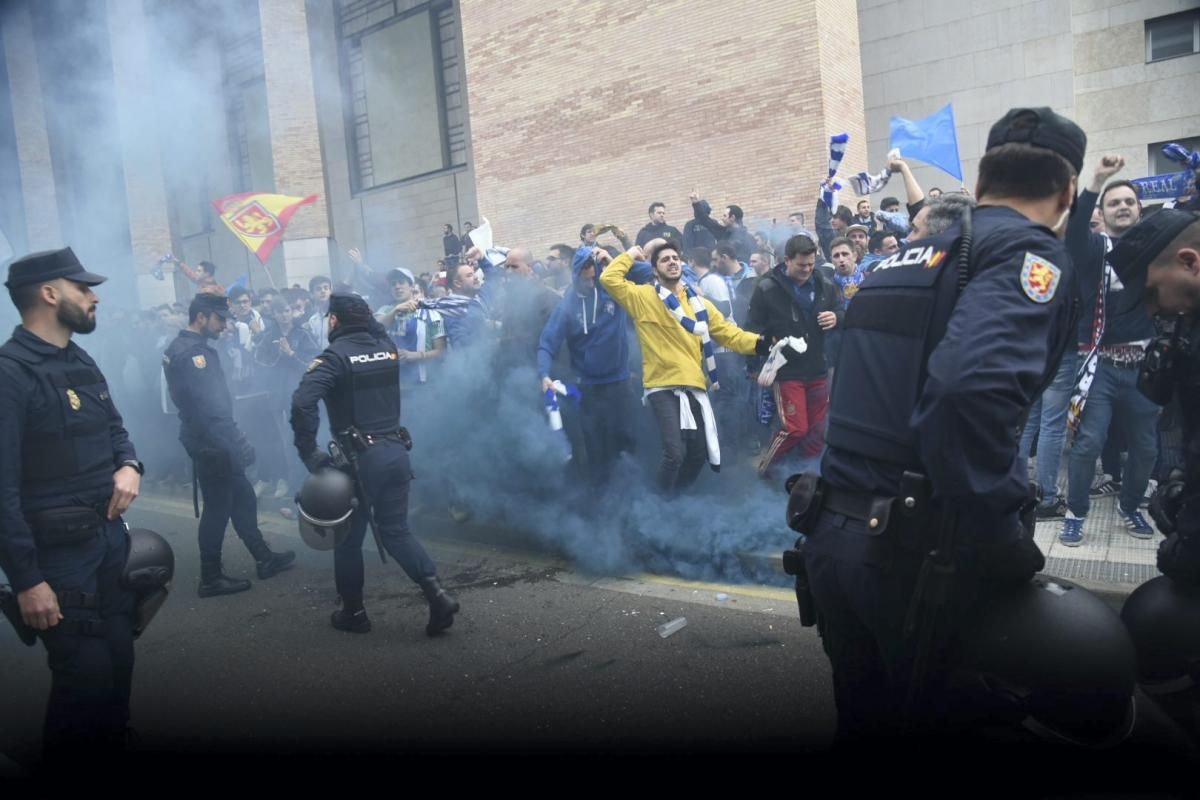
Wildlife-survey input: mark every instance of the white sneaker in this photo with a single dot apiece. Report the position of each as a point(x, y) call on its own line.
point(259, 488)
point(281, 489)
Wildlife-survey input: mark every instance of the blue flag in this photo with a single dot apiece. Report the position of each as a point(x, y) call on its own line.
point(932, 140)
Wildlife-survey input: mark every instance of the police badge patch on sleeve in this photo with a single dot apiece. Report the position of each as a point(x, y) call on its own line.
point(1039, 278)
point(316, 362)
point(199, 362)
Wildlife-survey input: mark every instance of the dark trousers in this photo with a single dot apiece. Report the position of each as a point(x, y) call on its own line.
point(684, 453)
point(607, 414)
point(90, 652)
point(227, 495)
point(384, 479)
point(729, 404)
point(862, 585)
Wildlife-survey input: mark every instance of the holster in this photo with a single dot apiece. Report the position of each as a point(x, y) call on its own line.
point(806, 496)
point(12, 610)
point(793, 564)
point(58, 527)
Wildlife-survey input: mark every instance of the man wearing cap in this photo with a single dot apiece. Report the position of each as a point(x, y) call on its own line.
point(217, 447)
point(67, 473)
point(1160, 259)
point(941, 357)
point(859, 235)
point(419, 334)
point(357, 377)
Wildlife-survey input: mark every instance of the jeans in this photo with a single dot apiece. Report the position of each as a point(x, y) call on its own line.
point(1048, 422)
point(1114, 394)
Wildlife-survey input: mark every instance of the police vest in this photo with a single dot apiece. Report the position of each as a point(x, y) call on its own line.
point(69, 437)
point(369, 399)
point(898, 316)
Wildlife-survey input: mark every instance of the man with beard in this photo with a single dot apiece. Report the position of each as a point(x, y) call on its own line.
point(67, 473)
point(217, 447)
point(358, 378)
point(676, 328)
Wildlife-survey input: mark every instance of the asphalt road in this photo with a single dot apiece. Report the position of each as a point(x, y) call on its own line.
point(542, 658)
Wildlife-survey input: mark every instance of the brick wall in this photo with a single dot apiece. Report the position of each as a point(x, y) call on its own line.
point(586, 112)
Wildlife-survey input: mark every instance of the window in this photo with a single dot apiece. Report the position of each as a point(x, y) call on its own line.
point(403, 81)
point(1173, 36)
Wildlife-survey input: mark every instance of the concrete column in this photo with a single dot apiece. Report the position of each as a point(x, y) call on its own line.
point(149, 224)
point(295, 140)
point(33, 141)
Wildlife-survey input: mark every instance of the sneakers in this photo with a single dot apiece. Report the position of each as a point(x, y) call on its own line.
point(1136, 524)
point(1055, 509)
point(1072, 532)
point(459, 514)
point(351, 623)
point(259, 488)
point(1103, 485)
point(281, 489)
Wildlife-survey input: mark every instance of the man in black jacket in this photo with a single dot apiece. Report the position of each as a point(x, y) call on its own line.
point(658, 227)
point(795, 299)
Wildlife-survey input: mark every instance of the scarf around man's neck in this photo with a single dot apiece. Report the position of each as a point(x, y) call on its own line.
point(696, 327)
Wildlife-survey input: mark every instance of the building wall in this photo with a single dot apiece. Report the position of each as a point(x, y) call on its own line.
point(1122, 102)
point(587, 112)
point(984, 57)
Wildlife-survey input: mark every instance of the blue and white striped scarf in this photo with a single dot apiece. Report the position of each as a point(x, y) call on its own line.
point(837, 150)
point(696, 327)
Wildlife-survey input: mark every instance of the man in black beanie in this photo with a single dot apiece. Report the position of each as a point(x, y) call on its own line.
point(358, 378)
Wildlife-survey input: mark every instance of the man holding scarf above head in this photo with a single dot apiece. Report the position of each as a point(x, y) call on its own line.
point(676, 328)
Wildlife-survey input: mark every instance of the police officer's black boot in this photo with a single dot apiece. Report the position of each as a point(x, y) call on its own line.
point(351, 617)
point(269, 563)
point(214, 582)
point(442, 607)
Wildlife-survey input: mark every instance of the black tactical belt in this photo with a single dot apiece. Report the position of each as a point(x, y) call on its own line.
point(855, 505)
point(85, 600)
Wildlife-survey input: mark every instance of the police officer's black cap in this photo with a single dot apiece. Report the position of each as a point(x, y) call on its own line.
point(348, 306)
point(1041, 127)
point(1134, 252)
point(209, 303)
point(49, 265)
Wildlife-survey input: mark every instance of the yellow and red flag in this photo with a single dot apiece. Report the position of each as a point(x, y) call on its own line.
point(259, 219)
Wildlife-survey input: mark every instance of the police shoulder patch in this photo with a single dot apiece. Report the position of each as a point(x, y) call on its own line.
point(199, 362)
point(316, 362)
point(1039, 278)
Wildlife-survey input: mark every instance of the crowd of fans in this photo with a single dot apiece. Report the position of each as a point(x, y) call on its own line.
point(569, 320)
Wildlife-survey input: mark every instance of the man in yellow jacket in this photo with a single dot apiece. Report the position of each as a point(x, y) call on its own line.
point(676, 328)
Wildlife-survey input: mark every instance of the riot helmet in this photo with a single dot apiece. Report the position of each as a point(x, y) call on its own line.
point(1052, 657)
point(1163, 618)
point(149, 567)
point(326, 501)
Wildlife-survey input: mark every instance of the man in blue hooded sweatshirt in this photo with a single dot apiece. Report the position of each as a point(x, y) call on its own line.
point(595, 329)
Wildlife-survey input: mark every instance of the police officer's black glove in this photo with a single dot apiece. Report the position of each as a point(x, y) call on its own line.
point(762, 347)
point(1165, 502)
point(317, 460)
point(1014, 561)
point(1179, 560)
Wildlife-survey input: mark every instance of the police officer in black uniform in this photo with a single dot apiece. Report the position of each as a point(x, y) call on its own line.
point(218, 449)
point(67, 473)
point(944, 348)
point(358, 378)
